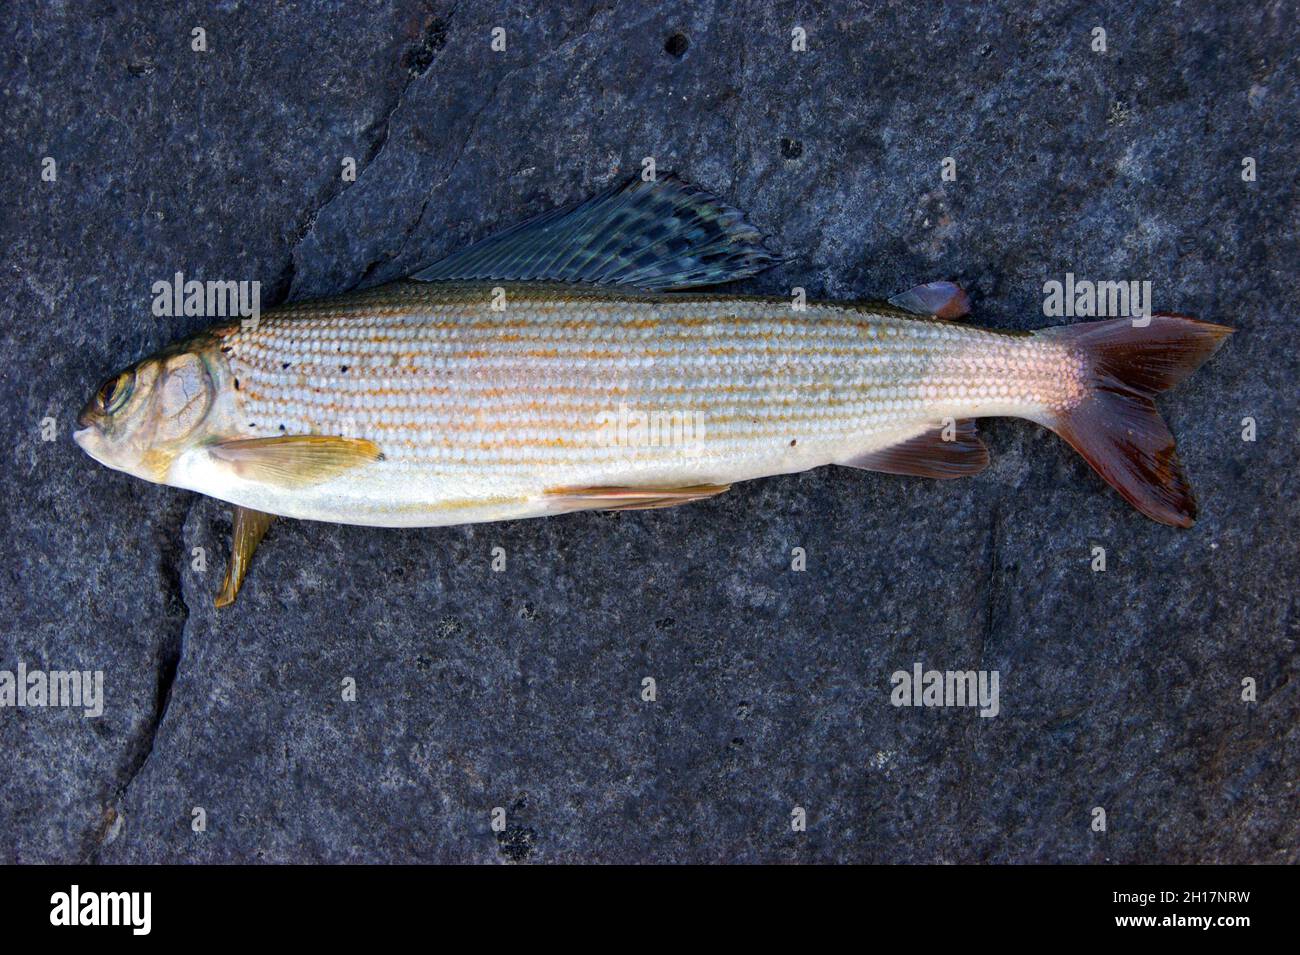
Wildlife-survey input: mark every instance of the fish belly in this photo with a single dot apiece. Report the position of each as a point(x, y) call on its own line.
point(488, 401)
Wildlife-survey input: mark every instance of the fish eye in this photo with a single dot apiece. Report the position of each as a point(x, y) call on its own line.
point(113, 393)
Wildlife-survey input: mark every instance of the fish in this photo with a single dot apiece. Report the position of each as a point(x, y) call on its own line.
point(584, 359)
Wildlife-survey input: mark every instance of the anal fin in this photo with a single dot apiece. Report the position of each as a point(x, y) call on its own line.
point(631, 498)
point(946, 452)
point(249, 528)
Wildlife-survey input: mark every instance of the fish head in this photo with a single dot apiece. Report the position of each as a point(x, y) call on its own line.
point(142, 418)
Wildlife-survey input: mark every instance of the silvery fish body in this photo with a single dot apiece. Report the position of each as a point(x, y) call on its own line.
point(490, 406)
point(551, 369)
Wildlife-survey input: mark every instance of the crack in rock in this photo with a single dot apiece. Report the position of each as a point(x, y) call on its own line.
point(170, 651)
point(416, 61)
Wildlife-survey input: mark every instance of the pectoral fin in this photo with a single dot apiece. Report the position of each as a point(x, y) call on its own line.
point(249, 527)
point(631, 498)
point(295, 460)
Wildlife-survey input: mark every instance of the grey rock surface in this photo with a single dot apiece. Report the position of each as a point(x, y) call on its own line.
point(522, 689)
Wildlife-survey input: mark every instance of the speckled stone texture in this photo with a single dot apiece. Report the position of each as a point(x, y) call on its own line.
point(521, 689)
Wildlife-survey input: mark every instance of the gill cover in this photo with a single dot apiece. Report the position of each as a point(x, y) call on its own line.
point(184, 396)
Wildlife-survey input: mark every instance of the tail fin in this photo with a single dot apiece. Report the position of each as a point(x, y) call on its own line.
point(1116, 426)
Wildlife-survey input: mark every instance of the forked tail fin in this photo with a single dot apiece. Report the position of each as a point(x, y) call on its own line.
point(1116, 426)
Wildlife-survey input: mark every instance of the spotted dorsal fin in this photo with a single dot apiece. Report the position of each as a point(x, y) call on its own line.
point(663, 234)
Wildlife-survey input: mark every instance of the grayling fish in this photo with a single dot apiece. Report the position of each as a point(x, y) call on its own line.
point(554, 368)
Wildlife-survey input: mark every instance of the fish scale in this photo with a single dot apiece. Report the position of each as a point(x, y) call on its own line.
point(434, 371)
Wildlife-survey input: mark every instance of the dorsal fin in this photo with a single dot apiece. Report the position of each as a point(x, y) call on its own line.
point(664, 234)
point(935, 454)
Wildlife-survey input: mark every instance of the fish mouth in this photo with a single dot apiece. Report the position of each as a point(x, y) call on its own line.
point(85, 438)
